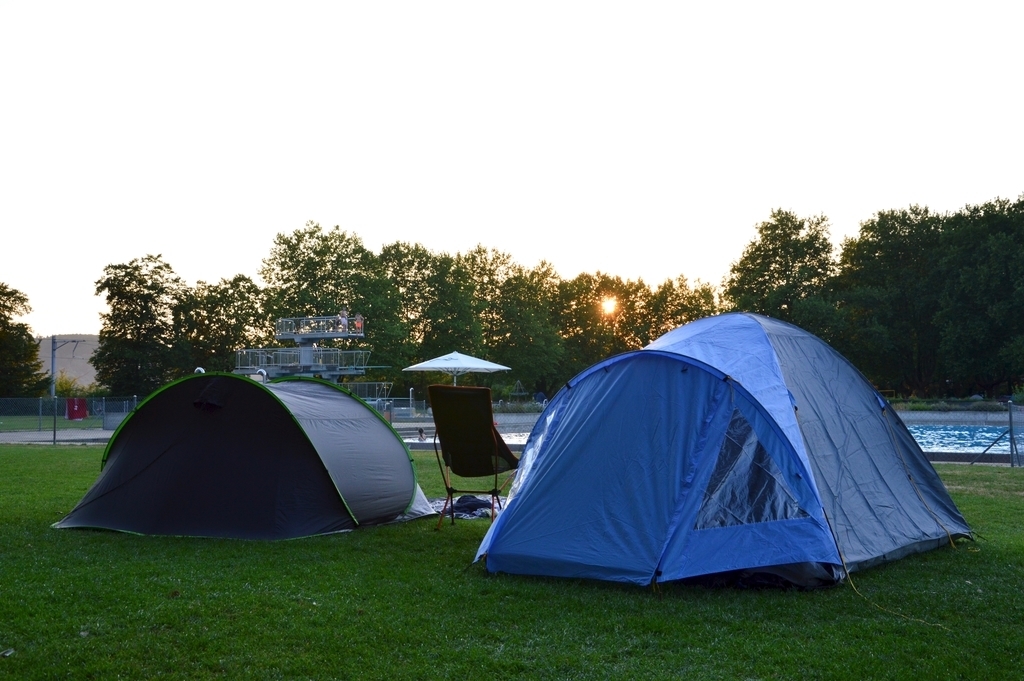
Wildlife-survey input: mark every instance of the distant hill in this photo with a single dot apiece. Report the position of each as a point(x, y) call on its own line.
point(73, 353)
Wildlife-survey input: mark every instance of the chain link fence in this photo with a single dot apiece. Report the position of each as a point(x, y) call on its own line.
point(62, 419)
point(92, 420)
point(514, 420)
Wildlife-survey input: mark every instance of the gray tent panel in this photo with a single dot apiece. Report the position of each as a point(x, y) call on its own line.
point(367, 460)
point(882, 496)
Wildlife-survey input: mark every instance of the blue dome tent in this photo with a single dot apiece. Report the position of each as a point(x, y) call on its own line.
point(735, 445)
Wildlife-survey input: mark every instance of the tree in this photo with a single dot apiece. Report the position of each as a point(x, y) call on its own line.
point(214, 320)
point(889, 290)
point(599, 316)
point(675, 303)
point(525, 336)
point(316, 272)
point(625, 306)
point(68, 386)
point(407, 269)
point(313, 272)
point(21, 372)
point(451, 321)
point(138, 350)
point(786, 272)
point(982, 301)
point(515, 308)
point(387, 335)
point(489, 269)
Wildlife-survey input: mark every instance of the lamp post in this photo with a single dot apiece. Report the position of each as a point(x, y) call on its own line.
point(53, 360)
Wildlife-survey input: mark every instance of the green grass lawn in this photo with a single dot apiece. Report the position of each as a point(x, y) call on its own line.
point(404, 601)
point(45, 423)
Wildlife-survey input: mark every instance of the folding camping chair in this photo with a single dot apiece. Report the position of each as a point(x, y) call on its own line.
point(470, 444)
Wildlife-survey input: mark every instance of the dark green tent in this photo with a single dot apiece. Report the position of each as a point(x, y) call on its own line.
point(219, 455)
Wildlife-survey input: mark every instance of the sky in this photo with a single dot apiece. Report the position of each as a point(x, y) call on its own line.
point(645, 140)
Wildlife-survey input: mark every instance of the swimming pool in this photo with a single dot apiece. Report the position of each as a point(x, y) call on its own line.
point(936, 438)
point(932, 438)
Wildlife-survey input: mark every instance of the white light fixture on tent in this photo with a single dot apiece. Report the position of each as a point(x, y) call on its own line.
point(455, 364)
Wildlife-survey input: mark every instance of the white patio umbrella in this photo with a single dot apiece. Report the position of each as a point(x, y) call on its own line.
point(455, 364)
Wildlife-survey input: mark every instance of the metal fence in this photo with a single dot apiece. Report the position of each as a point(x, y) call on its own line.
point(62, 419)
point(514, 420)
point(92, 420)
point(1005, 448)
point(1014, 436)
point(1016, 433)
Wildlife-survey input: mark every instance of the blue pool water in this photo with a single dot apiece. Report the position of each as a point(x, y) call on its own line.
point(962, 438)
point(931, 438)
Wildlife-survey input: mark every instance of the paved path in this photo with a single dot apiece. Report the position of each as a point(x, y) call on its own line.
point(408, 429)
point(67, 436)
point(954, 418)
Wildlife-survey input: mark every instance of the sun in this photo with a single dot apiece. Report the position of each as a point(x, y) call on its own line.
point(608, 305)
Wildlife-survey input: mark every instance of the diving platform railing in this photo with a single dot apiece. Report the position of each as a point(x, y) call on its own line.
point(310, 329)
point(309, 357)
point(303, 359)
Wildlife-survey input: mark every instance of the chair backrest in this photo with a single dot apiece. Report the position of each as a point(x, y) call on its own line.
point(464, 422)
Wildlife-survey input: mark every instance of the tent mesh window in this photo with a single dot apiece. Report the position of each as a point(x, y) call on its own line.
point(746, 485)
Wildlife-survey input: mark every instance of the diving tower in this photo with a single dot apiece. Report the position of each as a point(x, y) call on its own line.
point(307, 357)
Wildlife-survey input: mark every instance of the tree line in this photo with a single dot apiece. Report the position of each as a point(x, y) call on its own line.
point(418, 304)
point(923, 303)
